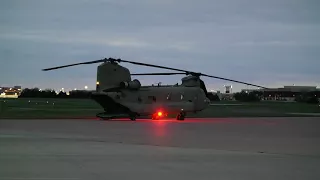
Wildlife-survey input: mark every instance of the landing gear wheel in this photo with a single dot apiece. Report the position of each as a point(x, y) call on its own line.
point(132, 116)
point(181, 116)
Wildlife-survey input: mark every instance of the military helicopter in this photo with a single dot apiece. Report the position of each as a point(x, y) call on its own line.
point(120, 96)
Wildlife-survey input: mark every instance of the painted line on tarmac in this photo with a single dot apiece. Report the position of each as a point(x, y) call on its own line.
point(309, 114)
point(36, 178)
point(227, 104)
point(10, 136)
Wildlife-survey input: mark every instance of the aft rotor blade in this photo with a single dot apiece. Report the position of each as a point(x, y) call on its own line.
point(69, 65)
point(189, 72)
point(234, 81)
point(156, 74)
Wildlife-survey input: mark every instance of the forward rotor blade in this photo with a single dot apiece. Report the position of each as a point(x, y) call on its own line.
point(69, 65)
point(156, 74)
point(234, 81)
point(151, 65)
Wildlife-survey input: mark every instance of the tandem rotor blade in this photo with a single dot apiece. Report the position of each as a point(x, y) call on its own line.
point(234, 81)
point(152, 65)
point(82, 63)
point(189, 72)
point(159, 74)
point(155, 66)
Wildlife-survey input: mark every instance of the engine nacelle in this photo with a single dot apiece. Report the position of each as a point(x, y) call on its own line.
point(135, 84)
point(190, 81)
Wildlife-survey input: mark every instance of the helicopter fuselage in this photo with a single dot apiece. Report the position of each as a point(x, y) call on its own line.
point(152, 99)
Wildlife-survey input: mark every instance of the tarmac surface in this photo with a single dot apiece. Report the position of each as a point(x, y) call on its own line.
point(214, 148)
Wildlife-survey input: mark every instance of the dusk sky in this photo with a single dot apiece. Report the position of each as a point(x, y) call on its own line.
point(267, 42)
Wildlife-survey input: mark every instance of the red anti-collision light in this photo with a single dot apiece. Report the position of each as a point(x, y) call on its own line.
point(160, 113)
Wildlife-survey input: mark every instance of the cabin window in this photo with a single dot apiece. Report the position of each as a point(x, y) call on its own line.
point(182, 96)
point(152, 98)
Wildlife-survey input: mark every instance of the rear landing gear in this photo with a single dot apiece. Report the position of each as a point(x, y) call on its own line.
point(181, 116)
point(132, 116)
point(155, 117)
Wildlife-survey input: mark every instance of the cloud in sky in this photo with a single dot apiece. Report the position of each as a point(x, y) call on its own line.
point(270, 43)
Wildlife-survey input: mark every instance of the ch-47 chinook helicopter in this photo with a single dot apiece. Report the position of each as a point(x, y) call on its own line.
point(120, 96)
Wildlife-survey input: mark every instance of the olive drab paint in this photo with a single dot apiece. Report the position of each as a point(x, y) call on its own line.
point(146, 100)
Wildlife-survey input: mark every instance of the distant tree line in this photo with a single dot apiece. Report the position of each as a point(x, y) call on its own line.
point(49, 93)
point(290, 93)
point(254, 96)
point(307, 97)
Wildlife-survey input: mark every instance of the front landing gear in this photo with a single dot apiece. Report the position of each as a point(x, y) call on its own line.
point(181, 116)
point(133, 118)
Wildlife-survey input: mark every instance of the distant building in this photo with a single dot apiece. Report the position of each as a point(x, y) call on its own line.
point(286, 88)
point(224, 96)
point(228, 89)
point(10, 92)
point(17, 87)
point(300, 88)
point(286, 93)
